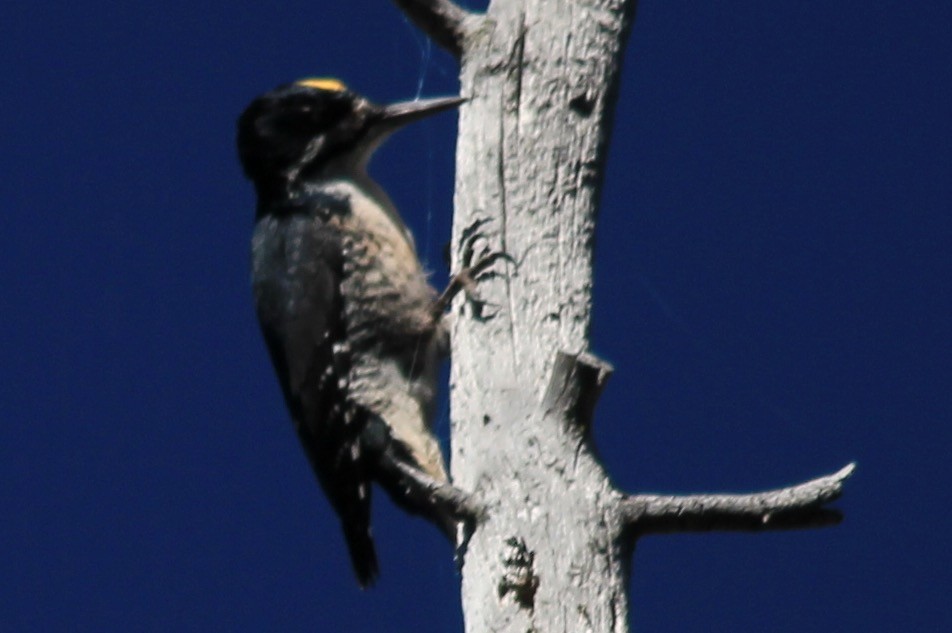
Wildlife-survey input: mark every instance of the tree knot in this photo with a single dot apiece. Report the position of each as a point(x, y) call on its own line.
point(519, 577)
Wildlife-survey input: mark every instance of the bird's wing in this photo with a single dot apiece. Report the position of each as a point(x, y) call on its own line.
point(297, 270)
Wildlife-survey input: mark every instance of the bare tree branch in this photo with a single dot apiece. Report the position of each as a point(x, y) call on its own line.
point(575, 384)
point(798, 506)
point(423, 491)
point(443, 20)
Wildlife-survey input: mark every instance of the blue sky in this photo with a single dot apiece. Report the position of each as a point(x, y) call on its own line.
point(772, 286)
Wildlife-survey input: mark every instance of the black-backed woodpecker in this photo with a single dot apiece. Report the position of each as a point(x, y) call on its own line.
point(346, 311)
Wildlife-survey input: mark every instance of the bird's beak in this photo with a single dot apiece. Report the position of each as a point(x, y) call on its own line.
point(390, 118)
point(397, 115)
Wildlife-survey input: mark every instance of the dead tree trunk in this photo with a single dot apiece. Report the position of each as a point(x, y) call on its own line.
point(551, 547)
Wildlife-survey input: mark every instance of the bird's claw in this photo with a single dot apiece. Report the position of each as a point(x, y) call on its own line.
point(473, 266)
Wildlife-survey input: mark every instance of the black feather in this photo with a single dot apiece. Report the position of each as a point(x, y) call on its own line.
point(296, 267)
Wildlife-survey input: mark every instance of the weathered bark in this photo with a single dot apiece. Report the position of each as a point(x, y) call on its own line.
point(541, 79)
point(786, 508)
point(551, 548)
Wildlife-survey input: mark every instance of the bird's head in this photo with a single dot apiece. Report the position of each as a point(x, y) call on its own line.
point(318, 127)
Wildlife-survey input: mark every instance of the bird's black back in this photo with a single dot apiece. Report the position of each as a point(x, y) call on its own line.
point(296, 268)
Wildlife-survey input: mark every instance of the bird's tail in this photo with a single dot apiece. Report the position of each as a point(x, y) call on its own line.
point(363, 555)
point(350, 496)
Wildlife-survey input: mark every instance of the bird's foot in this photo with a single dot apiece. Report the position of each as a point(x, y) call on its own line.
point(473, 266)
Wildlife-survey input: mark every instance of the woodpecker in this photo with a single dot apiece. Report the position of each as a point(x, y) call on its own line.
point(351, 324)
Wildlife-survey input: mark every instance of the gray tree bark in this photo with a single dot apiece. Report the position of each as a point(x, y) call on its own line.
point(550, 537)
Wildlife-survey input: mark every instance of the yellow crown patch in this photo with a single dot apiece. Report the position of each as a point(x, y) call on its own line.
point(323, 83)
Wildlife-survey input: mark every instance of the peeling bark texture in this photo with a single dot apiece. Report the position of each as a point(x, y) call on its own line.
point(575, 386)
point(549, 538)
point(541, 80)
